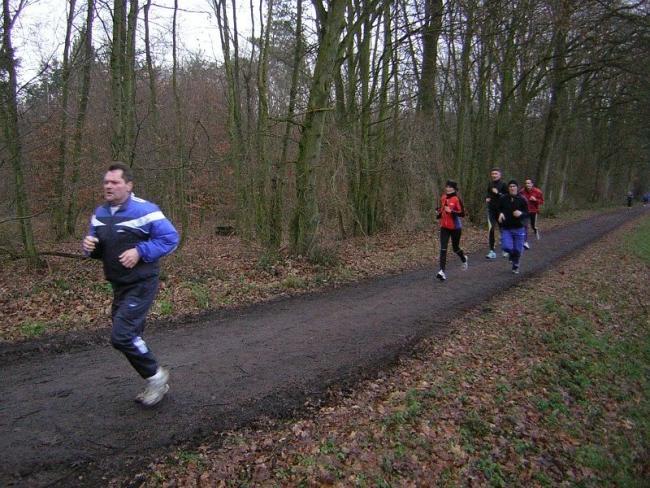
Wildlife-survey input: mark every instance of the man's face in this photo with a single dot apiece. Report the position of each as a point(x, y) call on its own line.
point(495, 175)
point(529, 184)
point(513, 189)
point(449, 189)
point(116, 190)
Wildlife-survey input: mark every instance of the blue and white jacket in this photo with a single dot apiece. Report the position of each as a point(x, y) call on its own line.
point(138, 224)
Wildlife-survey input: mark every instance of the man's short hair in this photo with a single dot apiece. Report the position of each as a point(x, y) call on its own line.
point(528, 179)
point(495, 169)
point(127, 172)
point(513, 182)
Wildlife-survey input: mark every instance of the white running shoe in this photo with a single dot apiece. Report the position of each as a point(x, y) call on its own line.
point(465, 263)
point(139, 398)
point(156, 388)
point(491, 255)
point(515, 268)
point(526, 245)
point(441, 275)
point(505, 255)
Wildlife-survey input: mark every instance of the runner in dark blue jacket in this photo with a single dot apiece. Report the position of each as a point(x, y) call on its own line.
point(130, 235)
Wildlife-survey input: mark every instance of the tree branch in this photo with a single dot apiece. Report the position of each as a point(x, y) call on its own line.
point(13, 219)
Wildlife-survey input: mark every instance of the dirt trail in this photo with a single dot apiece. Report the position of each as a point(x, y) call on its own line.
point(68, 418)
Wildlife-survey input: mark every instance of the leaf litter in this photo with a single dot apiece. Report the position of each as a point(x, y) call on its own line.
point(546, 385)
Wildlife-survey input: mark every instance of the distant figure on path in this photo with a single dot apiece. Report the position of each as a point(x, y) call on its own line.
point(513, 211)
point(130, 235)
point(495, 190)
point(630, 197)
point(535, 199)
point(450, 212)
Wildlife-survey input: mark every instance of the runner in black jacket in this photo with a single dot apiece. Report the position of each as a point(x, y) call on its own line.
point(513, 211)
point(495, 190)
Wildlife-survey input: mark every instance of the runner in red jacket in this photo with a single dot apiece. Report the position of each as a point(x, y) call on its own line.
point(450, 212)
point(535, 199)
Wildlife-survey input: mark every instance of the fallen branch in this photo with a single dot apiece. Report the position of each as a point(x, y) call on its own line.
point(13, 219)
point(14, 257)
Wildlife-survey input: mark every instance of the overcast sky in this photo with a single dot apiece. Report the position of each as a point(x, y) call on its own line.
point(40, 31)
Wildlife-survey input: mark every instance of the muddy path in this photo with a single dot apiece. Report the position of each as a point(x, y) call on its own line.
point(67, 418)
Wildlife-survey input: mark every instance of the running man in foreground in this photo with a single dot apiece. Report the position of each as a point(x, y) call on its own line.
point(535, 199)
point(130, 235)
point(450, 212)
point(513, 211)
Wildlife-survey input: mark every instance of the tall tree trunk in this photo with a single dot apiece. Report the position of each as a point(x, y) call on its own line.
point(123, 80)
point(503, 120)
point(118, 143)
point(60, 188)
point(87, 63)
point(264, 161)
point(306, 216)
point(562, 15)
point(477, 169)
point(233, 96)
point(153, 79)
point(9, 107)
point(277, 175)
point(433, 13)
point(464, 98)
point(180, 170)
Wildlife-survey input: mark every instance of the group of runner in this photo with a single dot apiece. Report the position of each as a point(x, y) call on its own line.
point(509, 207)
point(130, 235)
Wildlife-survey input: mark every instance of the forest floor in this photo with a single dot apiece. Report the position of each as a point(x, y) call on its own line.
point(537, 379)
point(547, 384)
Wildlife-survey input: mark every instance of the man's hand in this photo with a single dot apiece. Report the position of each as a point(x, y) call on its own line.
point(447, 209)
point(517, 213)
point(89, 243)
point(501, 217)
point(130, 258)
point(494, 190)
point(533, 199)
point(487, 200)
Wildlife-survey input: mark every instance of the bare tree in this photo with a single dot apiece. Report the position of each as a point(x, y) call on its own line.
point(60, 229)
point(82, 112)
point(13, 139)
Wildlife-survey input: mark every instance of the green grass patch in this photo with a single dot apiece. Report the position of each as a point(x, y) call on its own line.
point(292, 282)
point(189, 458)
point(33, 329)
point(585, 369)
point(474, 427)
point(102, 287)
point(267, 261)
point(61, 284)
point(639, 241)
point(492, 471)
point(201, 294)
point(164, 307)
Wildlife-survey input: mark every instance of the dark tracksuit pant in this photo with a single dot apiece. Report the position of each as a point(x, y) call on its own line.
point(532, 221)
point(492, 221)
point(445, 234)
point(131, 303)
